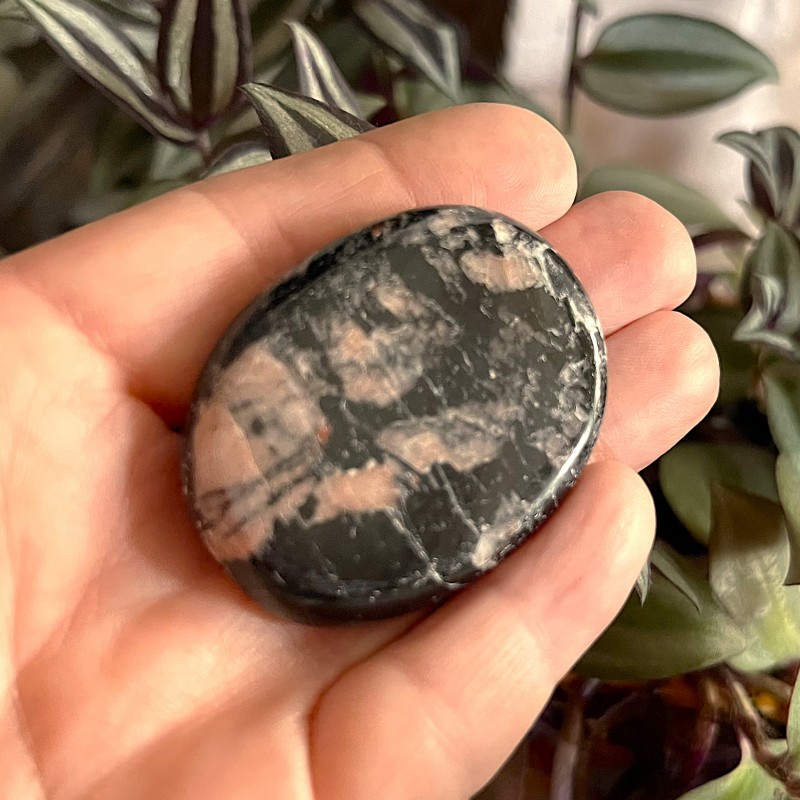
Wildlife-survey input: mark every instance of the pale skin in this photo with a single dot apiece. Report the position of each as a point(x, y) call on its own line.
point(131, 666)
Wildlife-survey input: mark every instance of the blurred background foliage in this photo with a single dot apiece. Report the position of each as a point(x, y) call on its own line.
point(689, 694)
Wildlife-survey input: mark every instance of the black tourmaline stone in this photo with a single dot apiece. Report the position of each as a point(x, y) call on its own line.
point(396, 417)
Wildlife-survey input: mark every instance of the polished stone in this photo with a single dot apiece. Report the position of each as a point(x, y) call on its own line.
point(396, 417)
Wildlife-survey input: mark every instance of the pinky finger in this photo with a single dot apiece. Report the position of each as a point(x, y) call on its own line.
point(436, 713)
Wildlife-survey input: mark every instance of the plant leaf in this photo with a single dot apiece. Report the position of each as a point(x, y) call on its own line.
point(589, 6)
point(171, 162)
point(782, 393)
point(773, 319)
point(747, 782)
point(773, 170)
point(793, 726)
point(666, 561)
point(241, 154)
point(204, 54)
point(92, 44)
point(696, 211)
point(748, 552)
point(11, 10)
point(294, 123)
point(643, 582)
point(421, 39)
point(688, 471)
point(63, 112)
point(320, 78)
point(666, 635)
point(270, 36)
point(655, 64)
point(11, 85)
point(412, 97)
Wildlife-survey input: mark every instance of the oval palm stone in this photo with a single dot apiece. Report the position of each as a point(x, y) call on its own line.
point(396, 417)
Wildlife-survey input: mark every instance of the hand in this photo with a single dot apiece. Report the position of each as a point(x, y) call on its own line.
point(132, 666)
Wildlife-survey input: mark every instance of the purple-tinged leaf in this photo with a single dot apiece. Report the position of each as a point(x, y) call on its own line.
point(91, 42)
point(246, 153)
point(320, 78)
point(294, 123)
point(422, 39)
point(204, 55)
point(773, 319)
point(774, 171)
point(748, 552)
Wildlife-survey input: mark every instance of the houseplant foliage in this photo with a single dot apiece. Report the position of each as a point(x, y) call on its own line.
point(105, 103)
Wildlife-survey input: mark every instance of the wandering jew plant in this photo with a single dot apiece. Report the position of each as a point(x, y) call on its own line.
point(690, 692)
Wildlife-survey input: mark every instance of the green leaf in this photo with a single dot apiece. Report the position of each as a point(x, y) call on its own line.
point(773, 319)
point(748, 552)
point(11, 10)
point(172, 162)
point(423, 40)
point(412, 97)
point(773, 169)
point(782, 393)
point(688, 471)
point(270, 36)
point(691, 207)
point(294, 123)
point(747, 782)
point(204, 54)
point(656, 64)
point(93, 45)
point(668, 563)
point(11, 85)
point(793, 726)
point(589, 6)
point(63, 110)
point(320, 78)
point(241, 154)
point(643, 582)
point(667, 635)
point(737, 360)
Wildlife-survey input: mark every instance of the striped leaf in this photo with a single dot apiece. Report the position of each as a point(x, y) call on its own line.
point(320, 78)
point(420, 38)
point(92, 43)
point(294, 123)
point(204, 54)
point(246, 153)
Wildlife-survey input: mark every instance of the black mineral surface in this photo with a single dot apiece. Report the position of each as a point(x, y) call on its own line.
point(396, 417)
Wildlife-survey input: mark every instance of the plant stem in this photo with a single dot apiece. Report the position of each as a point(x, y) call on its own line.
point(749, 725)
point(569, 747)
point(571, 82)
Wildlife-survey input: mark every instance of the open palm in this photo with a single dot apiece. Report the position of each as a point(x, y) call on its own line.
point(132, 666)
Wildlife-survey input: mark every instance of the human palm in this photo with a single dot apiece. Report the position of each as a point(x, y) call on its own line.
point(132, 666)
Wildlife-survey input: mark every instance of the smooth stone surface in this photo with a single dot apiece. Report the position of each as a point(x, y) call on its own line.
point(396, 417)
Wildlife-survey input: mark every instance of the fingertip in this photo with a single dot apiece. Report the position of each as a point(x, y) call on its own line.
point(697, 370)
point(666, 236)
point(527, 165)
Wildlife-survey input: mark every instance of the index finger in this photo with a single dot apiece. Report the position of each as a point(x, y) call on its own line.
point(156, 286)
